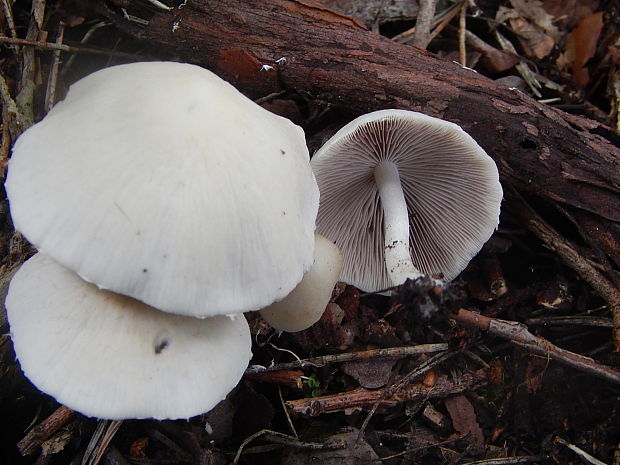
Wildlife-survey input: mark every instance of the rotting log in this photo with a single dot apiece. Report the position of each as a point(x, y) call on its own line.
point(330, 58)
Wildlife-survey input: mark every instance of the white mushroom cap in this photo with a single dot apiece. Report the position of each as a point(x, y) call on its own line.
point(162, 182)
point(305, 305)
point(450, 185)
point(110, 356)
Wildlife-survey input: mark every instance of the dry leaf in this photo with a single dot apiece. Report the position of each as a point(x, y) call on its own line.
point(356, 453)
point(581, 46)
point(371, 374)
point(465, 422)
point(532, 24)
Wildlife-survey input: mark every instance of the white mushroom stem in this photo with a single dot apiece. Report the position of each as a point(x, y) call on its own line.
point(305, 305)
point(395, 224)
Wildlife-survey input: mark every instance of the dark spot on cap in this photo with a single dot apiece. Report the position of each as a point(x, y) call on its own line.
point(160, 345)
point(144, 270)
point(282, 152)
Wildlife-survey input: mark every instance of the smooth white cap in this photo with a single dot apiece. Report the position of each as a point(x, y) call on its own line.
point(450, 184)
point(110, 356)
point(305, 305)
point(161, 181)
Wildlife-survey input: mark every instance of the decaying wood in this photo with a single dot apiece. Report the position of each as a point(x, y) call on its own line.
point(331, 58)
point(518, 334)
point(44, 430)
point(361, 397)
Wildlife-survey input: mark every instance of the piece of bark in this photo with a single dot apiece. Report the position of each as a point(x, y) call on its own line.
point(329, 57)
point(41, 432)
point(360, 397)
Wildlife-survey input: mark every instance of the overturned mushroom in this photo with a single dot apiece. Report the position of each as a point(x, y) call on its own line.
point(405, 194)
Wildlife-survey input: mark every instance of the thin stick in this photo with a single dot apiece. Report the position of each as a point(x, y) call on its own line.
point(100, 441)
point(363, 398)
point(280, 438)
point(288, 416)
point(421, 36)
point(17, 122)
point(571, 320)
point(50, 94)
point(518, 334)
point(418, 449)
point(5, 146)
point(44, 430)
point(580, 452)
point(8, 13)
point(65, 47)
point(510, 460)
point(569, 255)
point(392, 352)
point(462, 30)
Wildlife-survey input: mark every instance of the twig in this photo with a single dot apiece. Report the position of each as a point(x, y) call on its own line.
point(50, 94)
point(439, 23)
point(392, 352)
point(571, 320)
point(510, 460)
point(421, 36)
point(420, 448)
point(100, 440)
point(462, 30)
point(291, 378)
point(25, 97)
point(5, 146)
point(67, 48)
point(569, 255)
point(160, 5)
point(288, 416)
point(17, 122)
point(580, 452)
point(518, 334)
point(8, 13)
point(361, 397)
point(280, 438)
point(91, 31)
point(44, 430)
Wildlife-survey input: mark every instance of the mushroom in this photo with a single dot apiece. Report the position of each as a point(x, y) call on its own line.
point(162, 182)
point(404, 194)
point(306, 303)
point(110, 356)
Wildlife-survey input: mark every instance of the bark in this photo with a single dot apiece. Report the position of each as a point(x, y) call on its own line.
point(328, 57)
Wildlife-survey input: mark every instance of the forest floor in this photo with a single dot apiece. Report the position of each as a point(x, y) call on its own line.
point(446, 391)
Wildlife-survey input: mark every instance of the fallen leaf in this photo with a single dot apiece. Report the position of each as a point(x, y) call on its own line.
point(355, 453)
point(371, 374)
point(533, 26)
point(465, 422)
point(581, 46)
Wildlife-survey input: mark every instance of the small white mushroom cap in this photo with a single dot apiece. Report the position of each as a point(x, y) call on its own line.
point(162, 182)
point(306, 303)
point(110, 356)
point(450, 185)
